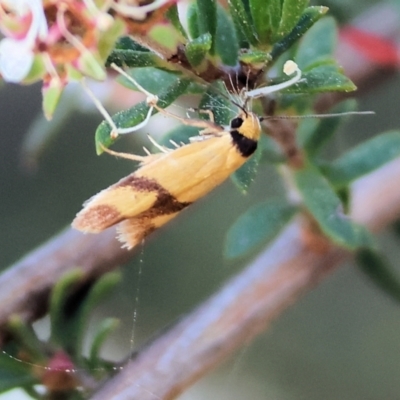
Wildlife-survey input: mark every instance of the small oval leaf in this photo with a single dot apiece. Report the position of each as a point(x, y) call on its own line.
point(292, 10)
point(266, 17)
point(59, 296)
point(377, 268)
point(259, 225)
point(317, 44)
point(245, 175)
point(207, 20)
point(308, 18)
point(242, 20)
point(364, 159)
point(323, 78)
point(314, 140)
point(324, 205)
point(197, 49)
point(226, 42)
point(219, 105)
point(173, 16)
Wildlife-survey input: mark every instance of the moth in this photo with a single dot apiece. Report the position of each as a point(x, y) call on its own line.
point(168, 182)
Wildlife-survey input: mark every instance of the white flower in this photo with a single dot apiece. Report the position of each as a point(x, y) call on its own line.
point(17, 55)
point(16, 59)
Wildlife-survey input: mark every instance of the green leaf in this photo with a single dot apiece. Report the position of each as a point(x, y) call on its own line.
point(219, 105)
point(378, 269)
point(197, 49)
point(308, 18)
point(100, 289)
point(292, 10)
point(255, 57)
point(14, 374)
point(207, 20)
point(324, 205)
point(242, 20)
point(259, 225)
point(271, 152)
point(364, 158)
point(266, 17)
point(135, 59)
point(107, 326)
point(317, 44)
point(245, 175)
point(173, 17)
point(193, 21)
point(59, 296)
point(138, 113)
point(109, 37)
point(151, 79)
point(180, 134)
point(313, 140)
point(226, 42)
point(323, 78)
point(26, 338)
point(127, 43)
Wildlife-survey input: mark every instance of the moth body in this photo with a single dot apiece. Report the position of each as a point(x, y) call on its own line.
point(167, 183)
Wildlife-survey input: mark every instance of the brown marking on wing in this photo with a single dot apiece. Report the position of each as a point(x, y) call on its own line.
point(165, 203)
point(140, 183)
point(98, 216)
point(133, 230)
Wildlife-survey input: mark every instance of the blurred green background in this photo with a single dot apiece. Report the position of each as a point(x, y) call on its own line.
point(341, 341)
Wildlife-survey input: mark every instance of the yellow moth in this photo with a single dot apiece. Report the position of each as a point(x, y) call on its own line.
point(170, 181)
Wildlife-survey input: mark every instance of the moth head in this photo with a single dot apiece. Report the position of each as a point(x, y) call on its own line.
point(247, 124)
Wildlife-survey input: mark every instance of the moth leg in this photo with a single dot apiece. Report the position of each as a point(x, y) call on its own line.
point(204, 111)
point(163, 149)
point(209, 127)
point(127, 156)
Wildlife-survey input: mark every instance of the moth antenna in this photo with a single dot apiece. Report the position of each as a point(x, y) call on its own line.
point(157, 145)
point(237, 83)
point(231, 82)
point(149, 95)
point(100, 108)
point(277, 117)
point(289, 68)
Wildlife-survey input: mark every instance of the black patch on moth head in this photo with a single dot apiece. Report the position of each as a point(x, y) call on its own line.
point(236, 122)
point(244, 145)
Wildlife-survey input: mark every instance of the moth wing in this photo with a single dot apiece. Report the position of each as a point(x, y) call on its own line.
point(133, 230)
point(112, 205)
point(158, 190)
point(192, 171)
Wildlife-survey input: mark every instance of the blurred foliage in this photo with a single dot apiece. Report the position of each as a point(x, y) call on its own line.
point(58, 363)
